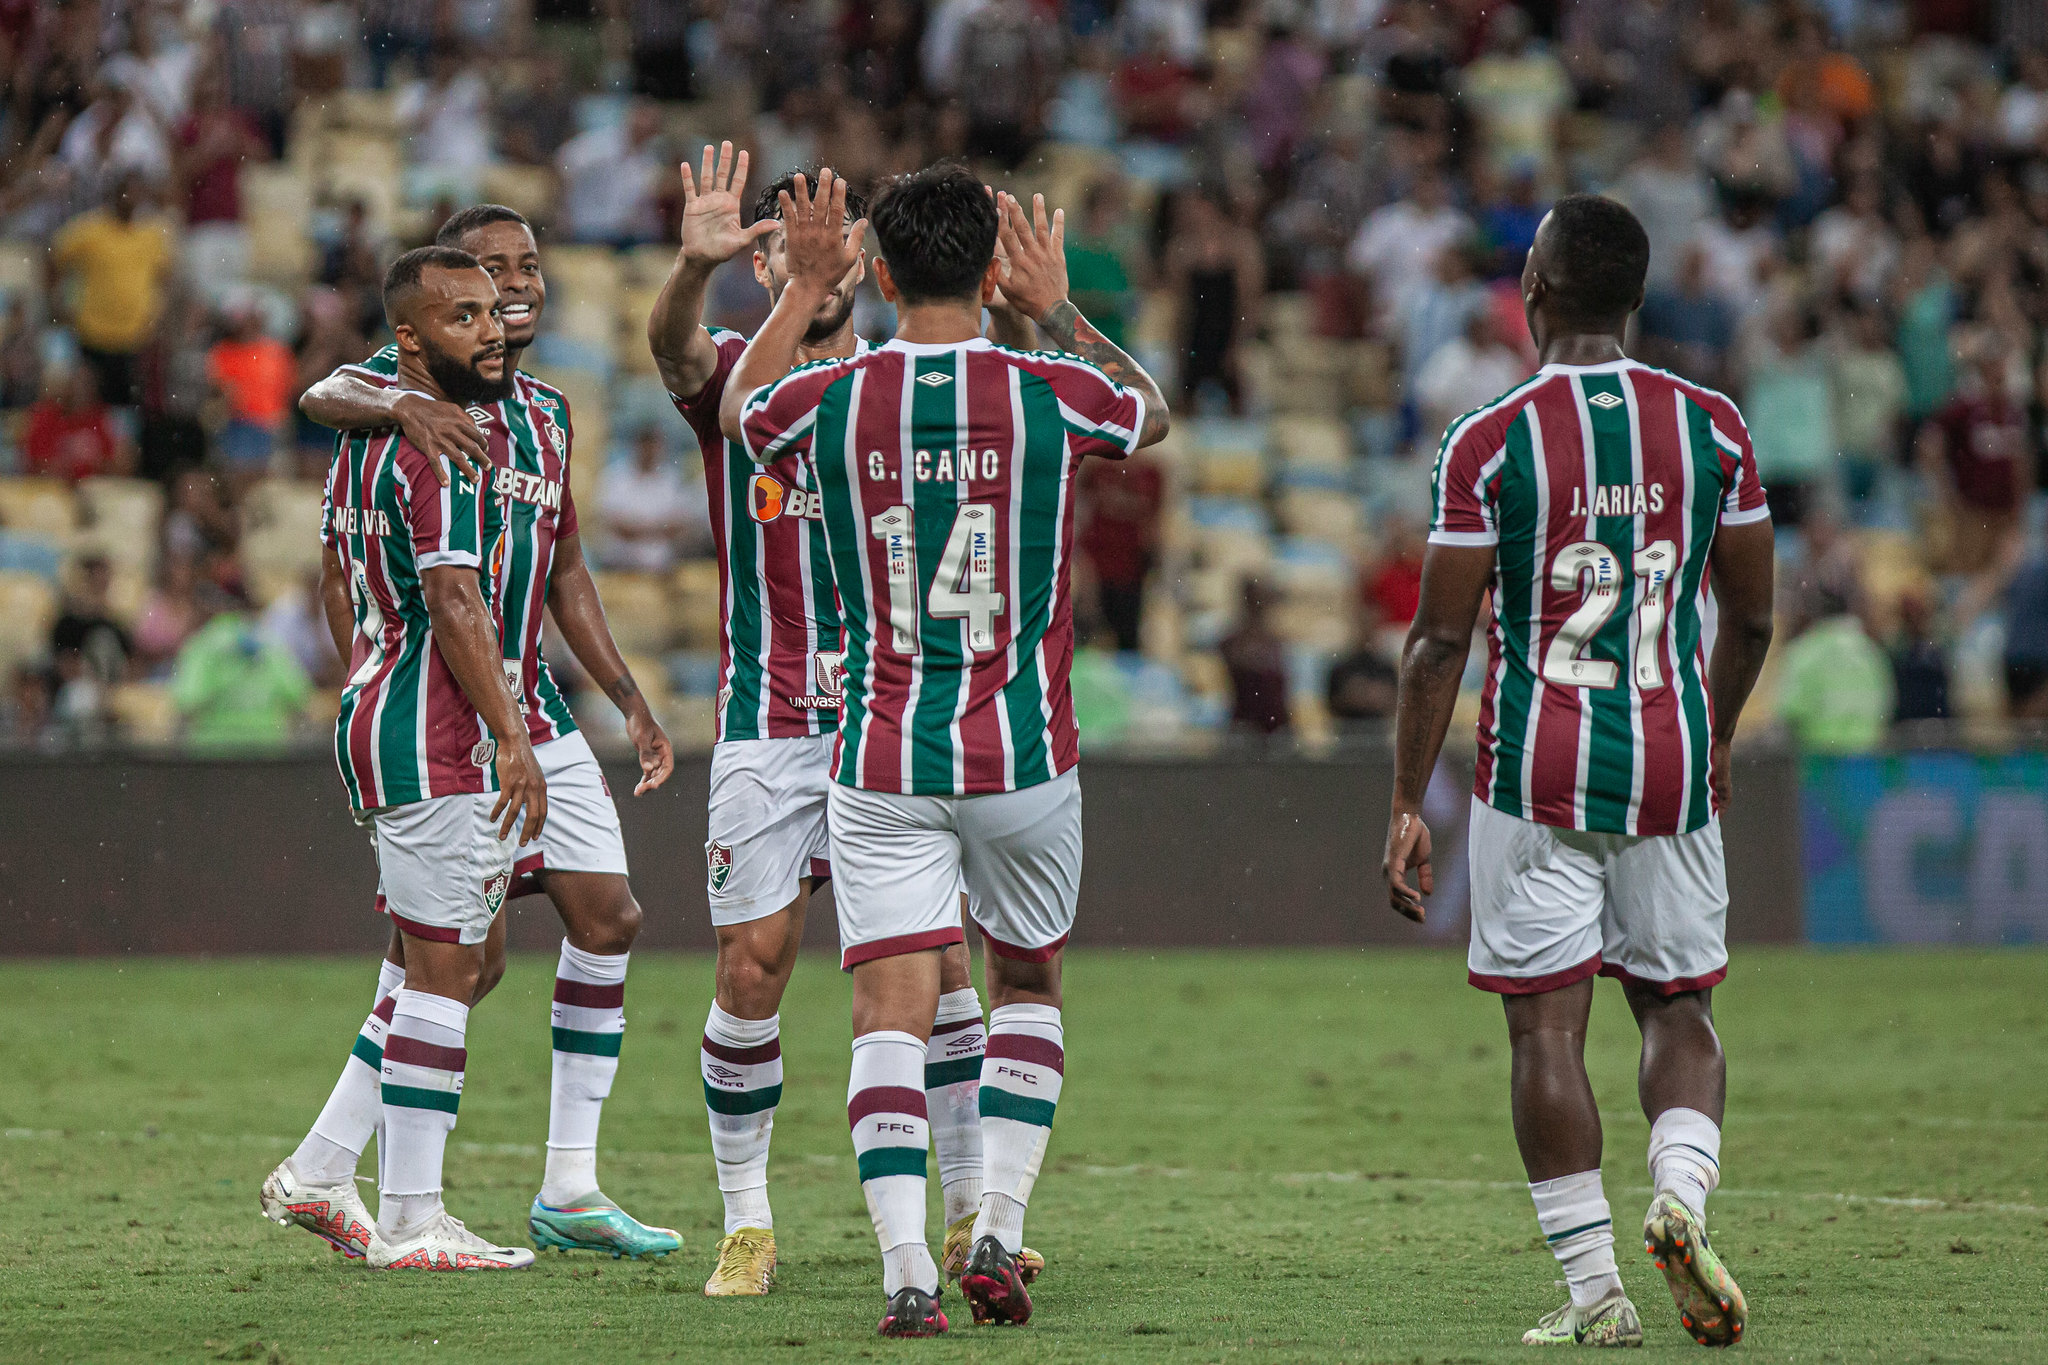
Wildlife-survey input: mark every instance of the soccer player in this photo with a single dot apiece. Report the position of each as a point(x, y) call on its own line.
point(434, 754)
point(1596, 501)
point(522, 441)
point(943, 469)
point(778, 713)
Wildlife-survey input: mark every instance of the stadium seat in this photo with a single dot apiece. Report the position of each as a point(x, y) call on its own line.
point(530, 189)
point(28, 606)
point(121, 520)
point(1318, 442)
point(33, 505)
point(144, 713)
point(637, 607)
point(280, 535)
point(277, 203)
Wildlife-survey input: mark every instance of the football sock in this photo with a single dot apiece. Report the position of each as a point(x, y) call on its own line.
point(886, 1110)
point(1685, 1157)
point(952, 1093)
point(390, 976)
point(1020, 1088)
point(1572, 1212)
point(742, 1063)
point(423, 1063)
point(589, 1023)
point(349, 1117)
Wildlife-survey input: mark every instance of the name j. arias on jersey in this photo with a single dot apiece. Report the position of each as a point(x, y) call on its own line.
point(1619, 500)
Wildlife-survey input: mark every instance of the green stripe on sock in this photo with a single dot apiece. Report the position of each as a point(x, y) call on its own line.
point(1001, 1104)
point(590, 1044)
point(368, 1053)
point(937, 1074)
point(412, 1097)
point(741, 1101)
point(877, 1162)
point(1573, 1232)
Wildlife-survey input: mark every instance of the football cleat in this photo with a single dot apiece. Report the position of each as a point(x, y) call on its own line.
point(994, 1286)
point(597, 1224)
point(746, 1264)
point(1710, 1306)
point(1610, 1322)
point(959, 1244)
point(443, 1243)
point(912, 1313)
point(333, 1213)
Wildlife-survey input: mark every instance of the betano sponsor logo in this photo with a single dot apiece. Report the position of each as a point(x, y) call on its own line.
point(528, 488)
point(770, 499)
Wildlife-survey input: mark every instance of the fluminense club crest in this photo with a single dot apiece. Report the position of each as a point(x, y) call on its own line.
point(718, 860)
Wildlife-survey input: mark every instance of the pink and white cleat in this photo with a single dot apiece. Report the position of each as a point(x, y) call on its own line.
point(334, 1213)
point(443, 1243)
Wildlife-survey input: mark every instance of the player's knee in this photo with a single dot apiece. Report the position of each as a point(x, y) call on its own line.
point(620, 924)
point(1013, 982)
point(489, 973)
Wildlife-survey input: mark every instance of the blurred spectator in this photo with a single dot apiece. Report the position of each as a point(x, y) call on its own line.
point(1282, 91)
point(611, 177)
point(2023, 109)
point(1438, 308)
point(117, 138)
point(1157, 94)
point(214, 142)
point(647, 507)
point(1007, 66)
point(1215, 267)
point(330, 340)
point(1471, 369)
point(1855, 251)
point(86, 627)
point(1398, 243)
point(1508, 222)
point(297, 623)
point(1665, 189)
point(350, 264)
point(199, 521)
point(1121, 505)
point(2026, 638)
point(170, 613)
point(1870, 397)
point(1332, 192)
point(255, 373)
point(446, 115)
point(119, 262)
point(1789, 403)
point(1835, 686)
point(1919, 666)
point(395, 30)
point(235, 690)
point(21, 356)
point(534, 123)
point(259, 38)
point(1519, 92)
point(1739, 253)
point(1257, 661)
point(1977, 451)
point(1925, 302)
point(661, 50)
point(1363, 683)
point(1629, 57)
point(1392, 583)
point(1105, 260)
point(1685, 328)
point(70, 434)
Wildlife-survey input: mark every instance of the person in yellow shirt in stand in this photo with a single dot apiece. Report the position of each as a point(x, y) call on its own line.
point(119, 262)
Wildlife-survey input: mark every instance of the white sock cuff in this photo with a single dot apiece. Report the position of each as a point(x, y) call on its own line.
point(1693, 1131)
point(734, 1031)
point(889, 1035)
point(599, 969)
point(390, 976)
point(452, 1015)
point(1570, 1204)
point(1040, 1020)
point(955, 1006)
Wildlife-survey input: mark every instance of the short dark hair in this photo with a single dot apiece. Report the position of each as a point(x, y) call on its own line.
point(403, 278)
point(767, 204)
point(1599, 257)
point(937, 230)
point(460, 224)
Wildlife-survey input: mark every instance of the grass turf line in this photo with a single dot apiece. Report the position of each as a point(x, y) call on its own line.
point(1259, 1156)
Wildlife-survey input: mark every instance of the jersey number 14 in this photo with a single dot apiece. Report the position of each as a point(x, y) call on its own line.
point(963, 588)
point(1585, 559)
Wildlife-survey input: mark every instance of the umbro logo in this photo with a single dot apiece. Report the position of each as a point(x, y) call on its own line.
point(932, 378)
point(1605, 400)
point(479, 415)
point(722, 1073)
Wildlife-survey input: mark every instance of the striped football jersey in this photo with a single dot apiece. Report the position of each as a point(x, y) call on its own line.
point(1602, 487)
point(945, 475)
point(530, 437)
point(406, 731)
point(778, 621)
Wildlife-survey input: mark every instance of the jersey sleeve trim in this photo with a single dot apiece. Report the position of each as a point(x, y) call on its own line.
point(439, 559)
point(1744, 516)
point(1471, 539)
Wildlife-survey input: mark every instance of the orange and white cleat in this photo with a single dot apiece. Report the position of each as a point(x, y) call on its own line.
point(443, 1243)
point(334, 1213)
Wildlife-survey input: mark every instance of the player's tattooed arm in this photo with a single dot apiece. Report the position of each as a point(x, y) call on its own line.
point(1454, 580)
point(1743, 570)
point(579, 616)
point(346, 402)
point(1034, 251)
point(468, 642)
point(711, 235)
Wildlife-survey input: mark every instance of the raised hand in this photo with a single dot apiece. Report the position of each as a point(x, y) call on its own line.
point(712, 232)
point(818, 247)
point(1034, 250)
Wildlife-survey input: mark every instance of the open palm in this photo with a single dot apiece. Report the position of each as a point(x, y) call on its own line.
point(712, 231)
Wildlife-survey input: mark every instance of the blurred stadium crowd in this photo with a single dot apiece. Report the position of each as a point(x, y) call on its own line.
point(1306, 215)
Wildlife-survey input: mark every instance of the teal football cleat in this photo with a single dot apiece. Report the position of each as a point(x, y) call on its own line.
point(597, 1224)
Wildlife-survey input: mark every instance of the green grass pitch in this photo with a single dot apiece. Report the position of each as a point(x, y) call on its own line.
point(1259, 1156)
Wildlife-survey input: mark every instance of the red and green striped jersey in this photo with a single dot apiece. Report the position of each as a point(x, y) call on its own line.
point(778, 620)
point(1602, 487)
point(530, 437)
point(945, 476)
point(406, 731)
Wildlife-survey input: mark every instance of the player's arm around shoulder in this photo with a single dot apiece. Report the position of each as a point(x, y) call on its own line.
point(363, 398)
point(1034, 250)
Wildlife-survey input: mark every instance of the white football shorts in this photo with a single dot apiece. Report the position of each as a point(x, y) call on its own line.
point(901, 863)
point(582, 829)
point(767, 829)
point(442, 870)
point(1553, 906)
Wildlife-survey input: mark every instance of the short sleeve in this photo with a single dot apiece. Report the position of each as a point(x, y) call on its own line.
point(700, 410)
point(1102, 416)
point(778, 420)
point(446, 524)
point(1744, 500)
point(1465, 489)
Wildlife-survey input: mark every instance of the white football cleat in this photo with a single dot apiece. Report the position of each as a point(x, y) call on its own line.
point(334, 1213)
point(443, 1243)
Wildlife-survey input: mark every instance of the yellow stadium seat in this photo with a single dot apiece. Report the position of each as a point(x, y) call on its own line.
point(530, 189)
point(638, 608)
point(32, 505)
point(28, 605)
point(691, 722)
point(1288, 316)
point(144, 713)
point(1316, 442)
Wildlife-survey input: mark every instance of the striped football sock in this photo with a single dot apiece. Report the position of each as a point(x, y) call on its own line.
point(1572, 1212)
point(390, 976)
point(886, 1110)
point(423, 1063)
point(1020, 1088)
point(589, 1024)
point(742, 1063)
point(952, 1092)
point(331, 1150)
point(1685, 1157)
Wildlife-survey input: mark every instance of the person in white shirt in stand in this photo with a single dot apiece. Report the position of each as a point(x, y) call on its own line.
point(650, 510)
